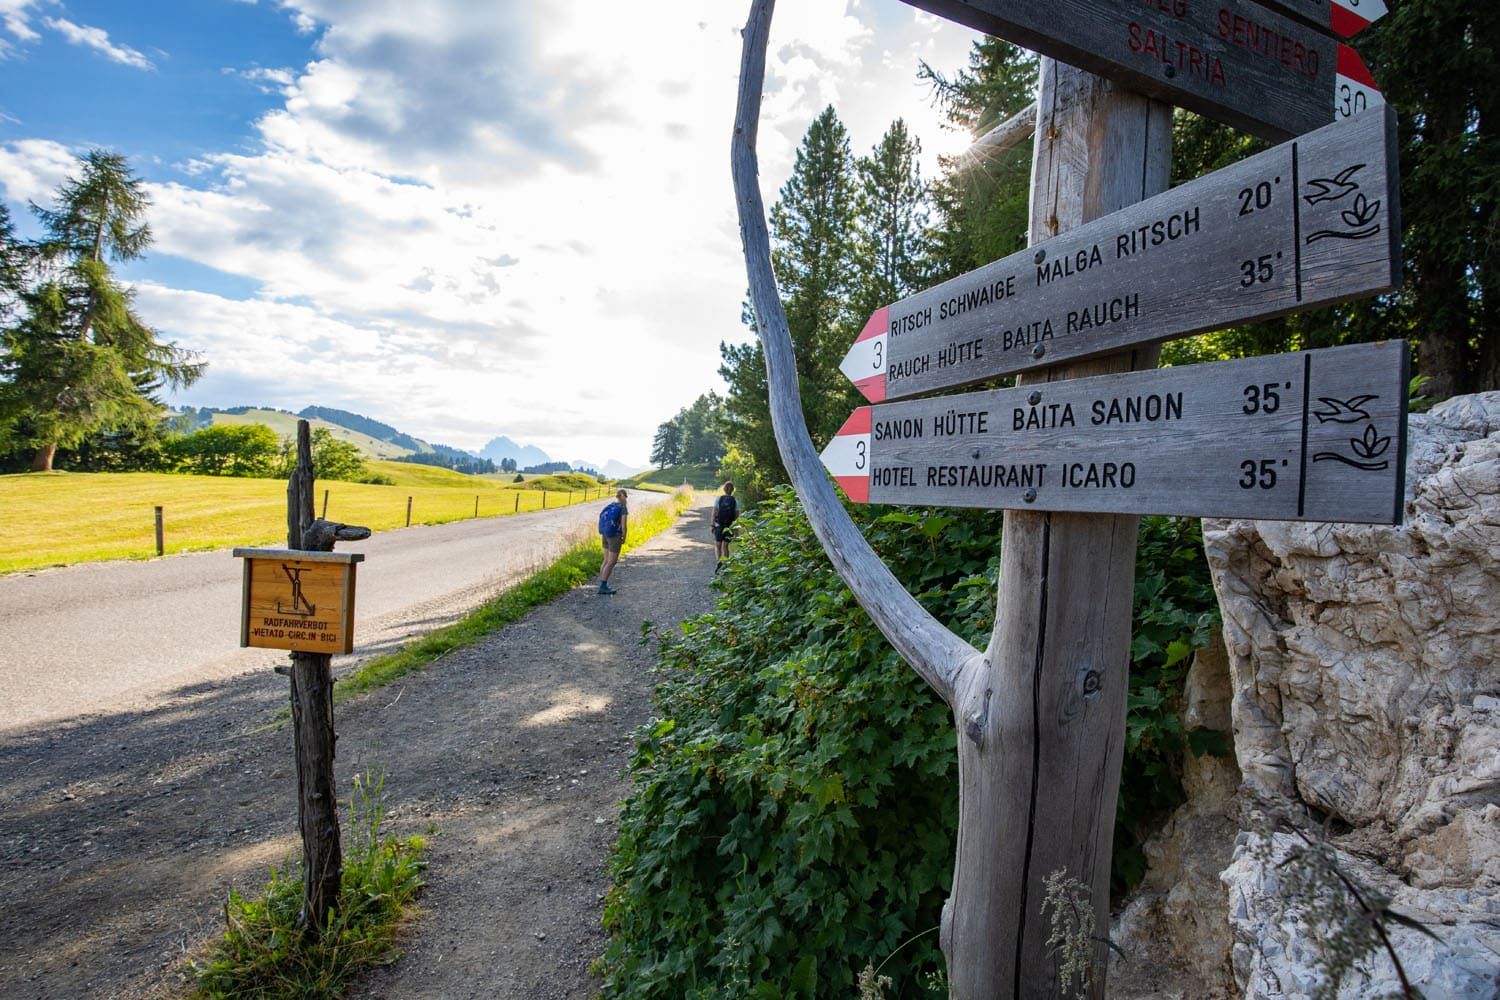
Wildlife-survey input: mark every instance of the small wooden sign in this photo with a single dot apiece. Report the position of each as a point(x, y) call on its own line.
point(1311, 222)
point(1311, 436)
point(298, 600)
point(1234, 60)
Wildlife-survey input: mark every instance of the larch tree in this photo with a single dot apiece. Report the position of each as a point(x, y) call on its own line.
point(79, 360)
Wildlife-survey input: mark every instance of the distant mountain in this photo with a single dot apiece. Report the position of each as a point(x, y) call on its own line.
point(502, 447)
point(619, 470)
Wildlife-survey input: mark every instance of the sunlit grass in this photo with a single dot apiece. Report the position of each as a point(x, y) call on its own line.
point(59, 518)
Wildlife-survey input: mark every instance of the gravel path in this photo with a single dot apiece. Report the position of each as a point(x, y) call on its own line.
point(121, 834)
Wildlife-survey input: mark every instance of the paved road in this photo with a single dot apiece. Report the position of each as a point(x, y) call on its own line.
point(111, 635)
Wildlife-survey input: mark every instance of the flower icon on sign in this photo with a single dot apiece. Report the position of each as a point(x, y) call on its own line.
point(1367, 448)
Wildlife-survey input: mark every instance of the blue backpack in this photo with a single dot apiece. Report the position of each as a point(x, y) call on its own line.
point(609, 519)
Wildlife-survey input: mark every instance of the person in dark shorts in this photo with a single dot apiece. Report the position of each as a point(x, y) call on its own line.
point(612, 527)
point(726, 510)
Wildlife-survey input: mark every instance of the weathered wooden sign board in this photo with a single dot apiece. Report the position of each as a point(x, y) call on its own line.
point(298, 600)
point(1235, 61)
point(1310, 222)
point(1345, 18)
point(1312, 436)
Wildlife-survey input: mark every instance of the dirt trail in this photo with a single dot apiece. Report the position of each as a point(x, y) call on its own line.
point(121, 834)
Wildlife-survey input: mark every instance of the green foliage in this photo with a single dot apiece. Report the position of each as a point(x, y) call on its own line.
point(694, 436)
point(228, 450)
point(794, 807)
point(797, 797)
point(265, 954)
point(78, 360)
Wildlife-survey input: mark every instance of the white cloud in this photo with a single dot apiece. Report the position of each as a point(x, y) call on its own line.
point(15, 16)
point(505, 218)
point(98, 40)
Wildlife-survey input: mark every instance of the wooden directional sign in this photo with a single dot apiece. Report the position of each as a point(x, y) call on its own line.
point(1345, 18)
point(1307, 223)
point(1312, 436)
point(298, 600)
point(1233, 60)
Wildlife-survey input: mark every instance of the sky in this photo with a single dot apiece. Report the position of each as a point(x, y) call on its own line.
point(466, 219)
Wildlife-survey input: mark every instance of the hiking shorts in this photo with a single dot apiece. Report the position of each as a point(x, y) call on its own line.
point(612, 543)
point(723, 534)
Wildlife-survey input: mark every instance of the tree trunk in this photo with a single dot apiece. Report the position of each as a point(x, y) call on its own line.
point(1041, 731)
point(42, 460)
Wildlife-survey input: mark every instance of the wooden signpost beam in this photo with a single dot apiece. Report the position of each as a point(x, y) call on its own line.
point(312, 712)
point(1313, 221)
point(1236, 61)
point(1311, 436)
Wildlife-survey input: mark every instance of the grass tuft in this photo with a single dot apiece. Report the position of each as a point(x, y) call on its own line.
point(264, 954)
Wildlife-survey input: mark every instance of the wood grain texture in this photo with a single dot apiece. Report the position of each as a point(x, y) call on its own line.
point(1308, 436)
point(1235, 61)
point(932, 651)
point(1308, 223)
point(1039, 762)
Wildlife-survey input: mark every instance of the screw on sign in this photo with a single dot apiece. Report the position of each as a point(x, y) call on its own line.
point(1236, 61)
point(1307, 223)
point(1312, 436)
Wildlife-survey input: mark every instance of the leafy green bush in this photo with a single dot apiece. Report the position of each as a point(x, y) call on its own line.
point(227, 450)
point(793, 810)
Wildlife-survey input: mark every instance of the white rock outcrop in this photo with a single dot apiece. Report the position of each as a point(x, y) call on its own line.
point(1365, 671)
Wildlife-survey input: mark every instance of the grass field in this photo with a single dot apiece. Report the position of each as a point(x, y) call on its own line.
point(59, 518)
point(285, 425)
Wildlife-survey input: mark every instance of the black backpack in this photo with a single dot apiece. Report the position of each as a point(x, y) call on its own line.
point(725, 511)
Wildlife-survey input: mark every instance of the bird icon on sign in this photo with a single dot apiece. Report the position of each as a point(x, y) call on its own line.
point(1343, 411)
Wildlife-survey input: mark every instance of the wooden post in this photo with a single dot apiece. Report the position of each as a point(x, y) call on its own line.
point(408, 512)
point(1038, 781)
point(518, 503)
point(312, 726)
point(544, 499)
point(476, 505)
point(325, 505)
point(160, 540)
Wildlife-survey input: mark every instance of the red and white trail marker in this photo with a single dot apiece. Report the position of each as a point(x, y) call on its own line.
point(1349, 17)
point(847, 456)
point(1354, 88)
point(864, 365)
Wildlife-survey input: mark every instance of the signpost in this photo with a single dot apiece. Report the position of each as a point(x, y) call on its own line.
point(298, 600)
point(1313, 436)
point(1235, 61)
point(1310, 222)
point(1345, 18)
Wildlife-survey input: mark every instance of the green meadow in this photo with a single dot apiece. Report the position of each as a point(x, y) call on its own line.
point(60, 518)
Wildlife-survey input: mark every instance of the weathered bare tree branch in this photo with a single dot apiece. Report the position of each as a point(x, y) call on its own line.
point(936, 654)
point(1016, 129)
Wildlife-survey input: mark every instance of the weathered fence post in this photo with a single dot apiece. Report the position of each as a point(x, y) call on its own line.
point(408, 512)
point(518, 503)
point(325, 505)
point(160, 534)
point(476, 505)
point(312, 712)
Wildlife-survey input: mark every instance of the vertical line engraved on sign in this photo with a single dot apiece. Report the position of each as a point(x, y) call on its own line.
point(1297, 238)
point(1036, 742)
point(1306, 399)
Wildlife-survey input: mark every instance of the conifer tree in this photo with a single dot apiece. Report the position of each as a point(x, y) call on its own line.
point(890, 241)
point(79, 360)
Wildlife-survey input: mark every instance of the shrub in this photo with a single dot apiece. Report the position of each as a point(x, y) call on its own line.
point(227, 450)
point(793, 810)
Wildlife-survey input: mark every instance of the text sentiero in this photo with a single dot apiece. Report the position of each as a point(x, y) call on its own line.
point(1308, 223)
point(1234, 60)
point(1317, 435)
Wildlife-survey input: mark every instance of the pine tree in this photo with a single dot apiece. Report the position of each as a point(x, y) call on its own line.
point(79, 360)
point(890, 241)
point(812, 231)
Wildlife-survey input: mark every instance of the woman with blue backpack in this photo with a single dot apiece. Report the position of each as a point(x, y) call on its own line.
point(612, 525)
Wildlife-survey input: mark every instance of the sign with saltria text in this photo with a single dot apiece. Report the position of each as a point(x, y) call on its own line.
point(298, 600)
point(1309, 436)
point(1236, 61)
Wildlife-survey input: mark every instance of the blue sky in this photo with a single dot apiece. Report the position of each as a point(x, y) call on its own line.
point(463, 219)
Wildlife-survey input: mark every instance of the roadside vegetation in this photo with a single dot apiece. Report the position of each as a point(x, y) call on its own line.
point(264, 953)
point(576, 566)
point(700, 476)
point(111, 516)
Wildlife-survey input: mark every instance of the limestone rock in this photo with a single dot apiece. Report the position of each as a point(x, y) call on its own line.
point(1365, 674)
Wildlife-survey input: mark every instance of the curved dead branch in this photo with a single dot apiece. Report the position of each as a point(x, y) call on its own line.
point(936, 654)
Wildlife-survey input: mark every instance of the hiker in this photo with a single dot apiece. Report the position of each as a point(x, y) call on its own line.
point(612, 536)
point(726, 509)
